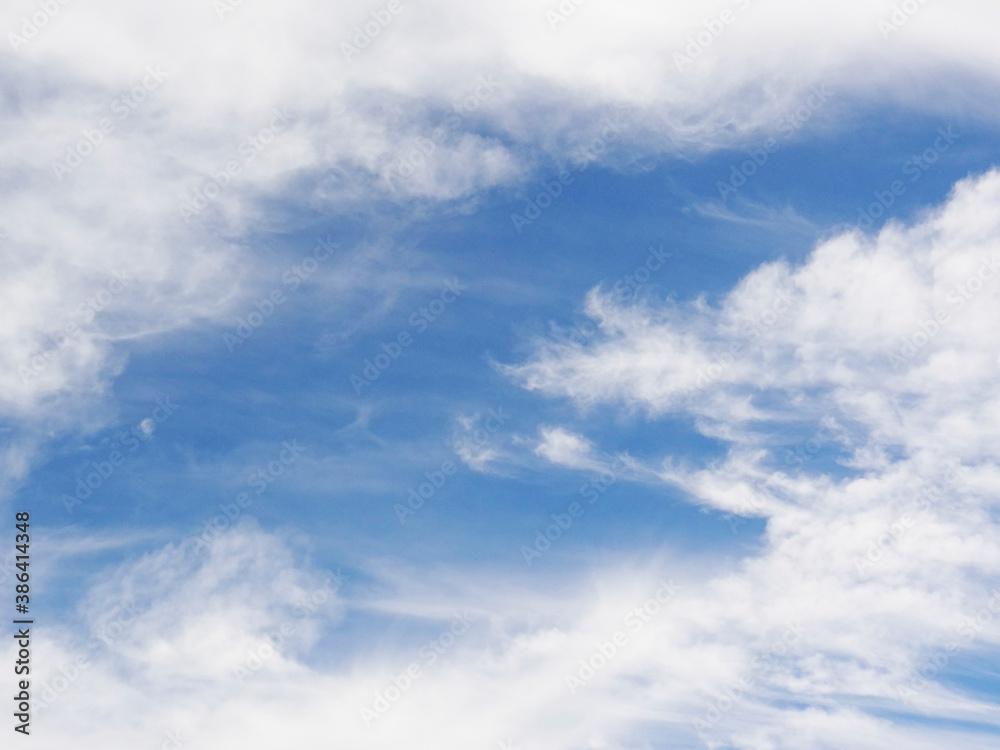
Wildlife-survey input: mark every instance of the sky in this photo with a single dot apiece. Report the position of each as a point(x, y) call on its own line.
point(522, 376)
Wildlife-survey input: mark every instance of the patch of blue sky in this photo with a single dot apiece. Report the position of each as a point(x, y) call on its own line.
point(363, 452)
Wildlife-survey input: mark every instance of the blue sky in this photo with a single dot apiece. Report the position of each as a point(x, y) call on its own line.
point(819, 603)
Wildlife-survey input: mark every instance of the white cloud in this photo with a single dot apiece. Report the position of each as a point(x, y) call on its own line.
point(858, 316)
point(166, 637)
point(880, 351)
point(480, 440)
point(566, 449)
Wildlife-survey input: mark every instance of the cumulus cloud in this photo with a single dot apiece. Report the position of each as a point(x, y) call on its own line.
point(857, 395)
